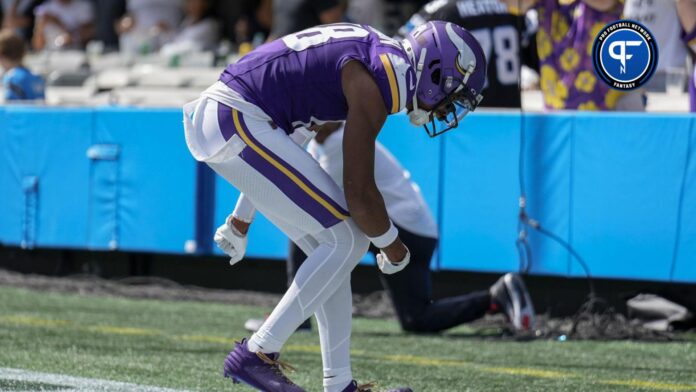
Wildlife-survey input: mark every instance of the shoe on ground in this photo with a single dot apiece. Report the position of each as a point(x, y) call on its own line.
point(510, 296)
point(258, 370)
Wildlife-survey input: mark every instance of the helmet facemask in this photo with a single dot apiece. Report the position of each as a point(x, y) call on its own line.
point(447, 114)
point(448, 76)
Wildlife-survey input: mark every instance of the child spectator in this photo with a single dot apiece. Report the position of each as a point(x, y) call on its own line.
point(19, 84)
point(63, 24)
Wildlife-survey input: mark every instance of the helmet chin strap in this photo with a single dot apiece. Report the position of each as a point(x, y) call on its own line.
point(419, 117)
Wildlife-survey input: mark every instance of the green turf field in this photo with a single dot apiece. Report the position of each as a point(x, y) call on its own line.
point(181, 345)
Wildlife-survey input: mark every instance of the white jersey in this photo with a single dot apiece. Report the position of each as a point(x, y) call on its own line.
point(660, 17)
point(403, 199)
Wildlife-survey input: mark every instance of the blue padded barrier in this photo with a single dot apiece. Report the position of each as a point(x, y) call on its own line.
point(547, 176)
point(479, 194)
point(8, 222)
point(621, 188)
point(609, 185)
point(103, 229)
point(627, 180)
point(148, 193)
point(45, 180)
point(684, 266)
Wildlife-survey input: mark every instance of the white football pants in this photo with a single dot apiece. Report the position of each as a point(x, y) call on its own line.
point(290, 188)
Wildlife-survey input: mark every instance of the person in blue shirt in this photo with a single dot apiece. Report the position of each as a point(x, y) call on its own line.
point(18, 83)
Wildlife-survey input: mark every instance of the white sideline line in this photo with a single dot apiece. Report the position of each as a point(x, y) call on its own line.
point(63, 383)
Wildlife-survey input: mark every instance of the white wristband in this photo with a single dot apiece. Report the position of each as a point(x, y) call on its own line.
point(387, 238)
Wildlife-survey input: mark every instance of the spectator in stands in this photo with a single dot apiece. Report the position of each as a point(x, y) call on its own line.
point(107, 13)
point(661, 17)
point(18, 15)
point(567, 29)
point(19, 84)
point(148, 24)
point(254, 26)
point(63, 24)
point(198, 32)
point(397, 12)
point(368, 12)
point(500, 33)
point(290, 16)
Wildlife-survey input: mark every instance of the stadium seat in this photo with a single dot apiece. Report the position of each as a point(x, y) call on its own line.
point(114, 78)
point(154, 97)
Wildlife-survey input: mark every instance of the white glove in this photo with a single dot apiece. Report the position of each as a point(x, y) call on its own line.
point(231, 241)
point(387, 267)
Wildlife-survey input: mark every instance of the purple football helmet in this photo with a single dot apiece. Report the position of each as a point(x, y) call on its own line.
point(450, 74)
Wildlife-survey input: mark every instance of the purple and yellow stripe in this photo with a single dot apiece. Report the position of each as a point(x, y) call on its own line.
point(393, 84)
point(290, 181)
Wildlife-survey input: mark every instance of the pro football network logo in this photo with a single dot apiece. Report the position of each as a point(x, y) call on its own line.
point(625, 55)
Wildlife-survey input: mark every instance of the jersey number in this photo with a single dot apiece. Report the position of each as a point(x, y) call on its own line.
point(504, 42)
point(320, 35)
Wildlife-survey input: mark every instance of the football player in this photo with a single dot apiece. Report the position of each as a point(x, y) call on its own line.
point(249, 127)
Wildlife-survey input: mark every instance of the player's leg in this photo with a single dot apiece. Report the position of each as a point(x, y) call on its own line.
point(333, 320)
point(296, 256)
point(334, 324)
point(411, 292)
point(315, 282)
point(290, 189)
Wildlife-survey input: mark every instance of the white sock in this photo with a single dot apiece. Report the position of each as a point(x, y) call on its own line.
point(334, 324)
point(336, 380)
point(252, 345)
point(264, 342)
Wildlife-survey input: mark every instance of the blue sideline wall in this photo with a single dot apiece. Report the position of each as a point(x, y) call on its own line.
point(621, 188)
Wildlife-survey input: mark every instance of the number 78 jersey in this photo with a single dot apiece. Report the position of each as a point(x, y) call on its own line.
point(296, 80)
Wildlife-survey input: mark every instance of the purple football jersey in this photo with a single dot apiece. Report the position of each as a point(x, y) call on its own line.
point(296, 79)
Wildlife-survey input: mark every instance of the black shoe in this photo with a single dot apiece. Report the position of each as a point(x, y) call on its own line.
point(510, 296)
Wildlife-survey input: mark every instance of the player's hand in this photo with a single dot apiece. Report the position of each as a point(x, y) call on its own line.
point(231, 241)
point(397, 251)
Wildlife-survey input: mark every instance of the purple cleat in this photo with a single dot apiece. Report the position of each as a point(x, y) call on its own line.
point(354, 387)
point(261, 371)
